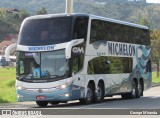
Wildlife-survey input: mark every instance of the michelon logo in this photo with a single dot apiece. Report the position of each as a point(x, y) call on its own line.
point(121, 49)
point(41, 48)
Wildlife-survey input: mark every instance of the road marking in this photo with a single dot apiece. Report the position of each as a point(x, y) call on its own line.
point(155, 96)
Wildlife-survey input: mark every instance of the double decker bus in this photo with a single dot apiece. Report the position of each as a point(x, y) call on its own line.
point(65, 57)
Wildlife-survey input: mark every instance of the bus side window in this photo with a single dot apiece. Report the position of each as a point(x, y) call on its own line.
point(77, 63)
point(80, 28)
point(109, 65)
point(148, 66)
point(93, 32)
point(93, 35)
point(74, 65)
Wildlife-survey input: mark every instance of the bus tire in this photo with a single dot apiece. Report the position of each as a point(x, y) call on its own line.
point(141, 88)
point(54, 102)
point(99, 94)
point(89, 96)
point(133, 94)
point(42, 103)
point(125, 96)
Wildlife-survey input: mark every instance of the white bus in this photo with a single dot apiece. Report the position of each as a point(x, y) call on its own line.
point(64, 57)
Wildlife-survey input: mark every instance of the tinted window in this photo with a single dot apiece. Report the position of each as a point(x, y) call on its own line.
point(110, 65)
point(148, 69)
point(78, 57)
point(80, 28)
point(45, 31)
point(145, 37)
point(77, 63)
point(103, 30)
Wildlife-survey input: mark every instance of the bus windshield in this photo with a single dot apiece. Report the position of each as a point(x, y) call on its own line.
point(44, 65)
point(45, 31)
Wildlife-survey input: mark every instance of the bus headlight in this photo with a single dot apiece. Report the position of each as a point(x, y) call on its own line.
point(63, 86)
point(20, 88)
point(67, 95)
point(19, 96)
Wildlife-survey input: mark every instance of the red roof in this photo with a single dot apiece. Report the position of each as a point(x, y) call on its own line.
point(11, 36)
point(14, 9)
point(5, 43)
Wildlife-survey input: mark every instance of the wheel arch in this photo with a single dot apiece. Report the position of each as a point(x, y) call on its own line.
point(136, 80)
point(92, 83)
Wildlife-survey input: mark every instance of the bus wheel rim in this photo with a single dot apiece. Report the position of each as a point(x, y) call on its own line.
point(98, 93)
point(89, 93)
point(134, 90)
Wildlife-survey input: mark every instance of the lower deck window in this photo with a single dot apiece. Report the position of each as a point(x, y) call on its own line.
point(110, 65)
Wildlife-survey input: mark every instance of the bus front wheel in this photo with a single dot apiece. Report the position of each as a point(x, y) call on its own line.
point(54, 102)
point(42, 103)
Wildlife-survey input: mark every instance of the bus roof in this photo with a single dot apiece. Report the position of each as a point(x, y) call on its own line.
point(89, 15)
point(118, 21)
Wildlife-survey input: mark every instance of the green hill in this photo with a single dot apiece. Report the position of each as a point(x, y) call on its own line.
point(10, 22)
point(125, 10)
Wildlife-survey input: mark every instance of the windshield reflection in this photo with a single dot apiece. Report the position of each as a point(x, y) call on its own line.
point(45, 65)
point(45, 31)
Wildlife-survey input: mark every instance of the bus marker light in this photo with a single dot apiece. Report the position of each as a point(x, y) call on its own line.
point(19, 96)
point(20, 88)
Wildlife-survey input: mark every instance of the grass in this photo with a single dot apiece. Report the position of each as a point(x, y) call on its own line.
point(155, 79)
point(7, 85)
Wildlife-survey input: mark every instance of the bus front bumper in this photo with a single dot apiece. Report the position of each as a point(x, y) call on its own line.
point(65, 94)
point(41, 95)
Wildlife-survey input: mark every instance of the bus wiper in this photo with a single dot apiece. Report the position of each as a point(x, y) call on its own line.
point(55, 75)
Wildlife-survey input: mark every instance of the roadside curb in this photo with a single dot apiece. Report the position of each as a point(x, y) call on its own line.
point(155, 85)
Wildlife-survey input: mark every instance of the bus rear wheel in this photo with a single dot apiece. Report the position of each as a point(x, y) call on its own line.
point(99, 94)
point(141, 88)
point(42, 103)
point(135, 92)
point(89, 96)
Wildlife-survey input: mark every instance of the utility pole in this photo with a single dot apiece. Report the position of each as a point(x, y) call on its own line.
point(69, 6)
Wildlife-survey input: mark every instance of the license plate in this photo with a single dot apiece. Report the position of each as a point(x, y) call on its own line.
point(40, 97)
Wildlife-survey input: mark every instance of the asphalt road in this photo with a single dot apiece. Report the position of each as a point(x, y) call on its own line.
point(151, 100)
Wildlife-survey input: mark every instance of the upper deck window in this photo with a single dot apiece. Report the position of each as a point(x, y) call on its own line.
point(45, 31)
point(111, 31)
point(80, 27)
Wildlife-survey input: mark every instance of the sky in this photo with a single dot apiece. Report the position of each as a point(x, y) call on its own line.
point(153, 1)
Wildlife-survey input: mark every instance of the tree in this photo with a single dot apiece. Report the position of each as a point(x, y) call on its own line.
point(143, 21)
point(155, 44)
point(23, 14)
point(41, 11)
